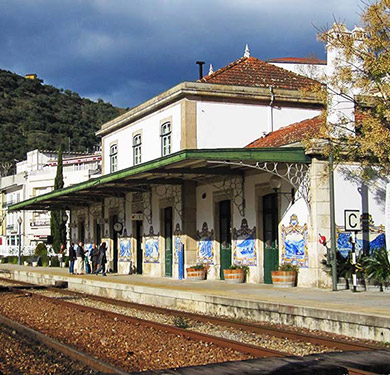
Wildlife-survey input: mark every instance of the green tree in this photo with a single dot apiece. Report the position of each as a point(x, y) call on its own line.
point(361, 76)
point(57, 225)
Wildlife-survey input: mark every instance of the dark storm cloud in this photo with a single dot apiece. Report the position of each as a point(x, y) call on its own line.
point(126, 51)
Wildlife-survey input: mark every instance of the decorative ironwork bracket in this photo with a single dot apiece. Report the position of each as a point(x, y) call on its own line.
point(147, 206)
point(296, 174)
point(173, 193)
point(234, 188)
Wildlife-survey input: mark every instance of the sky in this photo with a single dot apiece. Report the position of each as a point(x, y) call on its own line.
point(127, 51)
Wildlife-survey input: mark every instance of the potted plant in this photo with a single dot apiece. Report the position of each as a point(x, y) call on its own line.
point(285, 276)
point(235, 273)
point(196, 272)
point(377, 267)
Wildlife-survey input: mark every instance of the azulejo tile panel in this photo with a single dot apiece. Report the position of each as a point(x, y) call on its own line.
point(205, 248)
point(152, 254)
point(125, 249)
point(244, 245)
point(294, 243)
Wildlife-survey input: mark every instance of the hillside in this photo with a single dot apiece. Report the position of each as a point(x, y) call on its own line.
point(34, 115)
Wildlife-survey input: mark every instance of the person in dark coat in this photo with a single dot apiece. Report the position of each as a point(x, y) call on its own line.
point(94, 256)
point(102, 260)
point(72, 258)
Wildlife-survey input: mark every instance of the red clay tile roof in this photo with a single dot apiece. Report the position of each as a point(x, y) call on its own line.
point(249, 71)
point(297, 60)
point(290, 134)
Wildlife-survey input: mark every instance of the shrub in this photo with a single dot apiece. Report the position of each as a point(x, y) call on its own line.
point(55, 262)
point(41, 250)
point(289, 267)
point(198, 267)
point(239, 267)
point(377, 267)
point(180, 322)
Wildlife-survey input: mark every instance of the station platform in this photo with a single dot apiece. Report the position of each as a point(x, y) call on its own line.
point(364, 314)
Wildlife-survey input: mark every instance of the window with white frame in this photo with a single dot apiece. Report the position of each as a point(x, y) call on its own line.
point(137, 152)
point(113, 158)
point(166, 138)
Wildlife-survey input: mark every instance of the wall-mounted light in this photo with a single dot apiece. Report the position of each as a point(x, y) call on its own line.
point(276, 183)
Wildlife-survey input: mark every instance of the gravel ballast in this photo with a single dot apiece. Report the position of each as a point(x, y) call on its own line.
point(132, 347)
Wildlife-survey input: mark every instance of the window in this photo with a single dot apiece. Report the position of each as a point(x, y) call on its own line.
point(137, 159)
point(113, 158)
point(166, 139)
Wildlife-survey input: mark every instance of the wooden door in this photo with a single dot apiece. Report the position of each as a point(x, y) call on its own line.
point(271, 250)
point(225, 249)
point(138, 237)
point(168, 240)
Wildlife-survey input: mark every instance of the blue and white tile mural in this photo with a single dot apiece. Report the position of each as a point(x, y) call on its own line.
point(373, 240)
point(244, 245)
point(205, 250)
point(125, 249)
point(152, 254)
point(177, 243)
point(294, 243)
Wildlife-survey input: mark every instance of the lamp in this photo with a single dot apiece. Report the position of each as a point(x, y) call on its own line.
point(20, 220)
point(276, 183)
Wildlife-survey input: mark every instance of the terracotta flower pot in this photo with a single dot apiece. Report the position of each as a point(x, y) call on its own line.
point(196, 274)
point(284, 279)
point(234, 276)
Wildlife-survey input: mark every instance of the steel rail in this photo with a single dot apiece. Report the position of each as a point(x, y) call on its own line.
point(225, 343)
point(66, 349)
point(337, 344)
point(92, 362)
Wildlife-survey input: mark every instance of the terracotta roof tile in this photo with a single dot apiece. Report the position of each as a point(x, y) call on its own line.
point(297, 60)
point(290, 134)
point(249, 71)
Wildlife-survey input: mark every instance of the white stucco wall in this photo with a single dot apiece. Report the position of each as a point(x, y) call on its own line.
point(353, 193)
point(236, 125)
point(150, 128)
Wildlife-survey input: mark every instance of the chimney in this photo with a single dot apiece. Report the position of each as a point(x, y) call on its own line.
point(200, 63)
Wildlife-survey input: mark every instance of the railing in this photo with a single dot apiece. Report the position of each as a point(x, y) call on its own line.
point(27, 250)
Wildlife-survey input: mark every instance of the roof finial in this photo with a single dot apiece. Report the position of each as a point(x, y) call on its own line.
point(247, 52)
point(211, 70)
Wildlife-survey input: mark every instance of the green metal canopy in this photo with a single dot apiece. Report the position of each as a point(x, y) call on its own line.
point(199, 164)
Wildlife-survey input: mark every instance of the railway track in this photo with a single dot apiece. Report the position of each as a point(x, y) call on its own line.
point(331, 342)
point(335, 344)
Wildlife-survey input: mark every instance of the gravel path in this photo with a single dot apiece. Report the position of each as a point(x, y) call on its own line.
point(20, 355)
point(130, 346)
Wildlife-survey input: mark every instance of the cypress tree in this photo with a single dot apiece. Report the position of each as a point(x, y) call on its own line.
point(57, 225)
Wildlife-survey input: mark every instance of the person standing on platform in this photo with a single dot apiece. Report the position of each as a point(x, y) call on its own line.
point(102, 259)
point(94, 256)
point(87, 266)
point(80, 259)
point(72, 258)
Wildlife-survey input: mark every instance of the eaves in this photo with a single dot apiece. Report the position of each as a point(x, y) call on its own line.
point(210, 91)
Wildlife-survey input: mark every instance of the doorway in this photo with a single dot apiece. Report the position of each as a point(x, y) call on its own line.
point(81, 232)
point(168, 240)
point(114, 244)
point(225, 249)
point(270, 222)
point(138, 238)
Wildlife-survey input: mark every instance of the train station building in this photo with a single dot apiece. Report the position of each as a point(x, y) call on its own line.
point(215, 172)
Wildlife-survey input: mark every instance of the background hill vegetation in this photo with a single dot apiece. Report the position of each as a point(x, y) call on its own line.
point(34, 115)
